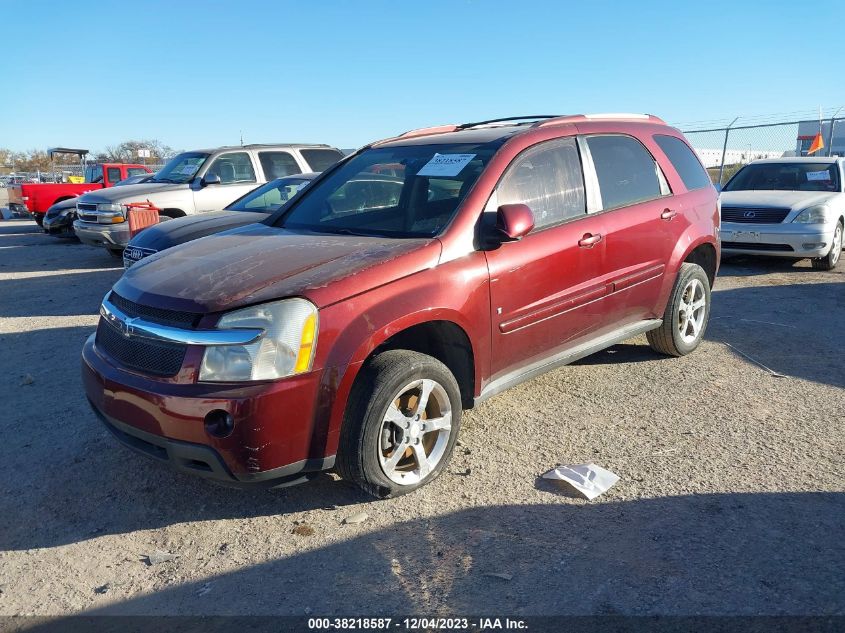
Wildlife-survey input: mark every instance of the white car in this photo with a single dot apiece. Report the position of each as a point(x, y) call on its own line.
point(786, 207)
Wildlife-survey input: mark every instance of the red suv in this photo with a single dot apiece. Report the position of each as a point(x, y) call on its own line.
point(414, 279)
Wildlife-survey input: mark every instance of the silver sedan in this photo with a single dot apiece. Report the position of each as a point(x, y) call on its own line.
point(786, 207)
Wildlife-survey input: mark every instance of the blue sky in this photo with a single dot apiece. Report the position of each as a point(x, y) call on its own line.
point(195, 74)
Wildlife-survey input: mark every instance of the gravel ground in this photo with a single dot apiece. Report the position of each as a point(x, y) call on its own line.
point(730, 499)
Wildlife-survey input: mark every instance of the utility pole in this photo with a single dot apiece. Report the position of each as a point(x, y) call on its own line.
point(830, 134)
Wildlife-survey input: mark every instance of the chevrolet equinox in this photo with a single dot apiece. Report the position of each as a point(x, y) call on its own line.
point(413, 279)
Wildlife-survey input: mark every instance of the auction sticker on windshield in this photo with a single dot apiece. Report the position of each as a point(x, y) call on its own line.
point(445, 165)
point(818, 175)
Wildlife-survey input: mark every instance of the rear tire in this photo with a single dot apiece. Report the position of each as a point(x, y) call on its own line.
point(830, 261)
point(686, 315)
point(400, 424)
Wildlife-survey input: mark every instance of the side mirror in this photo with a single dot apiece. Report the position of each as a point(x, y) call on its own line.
point(210, 179)
point(514, 221)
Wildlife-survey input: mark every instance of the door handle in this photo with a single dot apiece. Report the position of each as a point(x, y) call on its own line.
point(589, 240)
point(668, 214)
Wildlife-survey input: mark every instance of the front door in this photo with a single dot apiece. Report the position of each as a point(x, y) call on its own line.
point(546, 290)
point(237, 177)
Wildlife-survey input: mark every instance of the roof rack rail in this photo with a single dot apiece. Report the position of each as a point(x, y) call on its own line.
point(423, 131)
point(606, 116)
point(532, 117)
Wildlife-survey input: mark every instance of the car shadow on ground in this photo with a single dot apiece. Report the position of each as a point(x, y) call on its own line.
point(749, 266)
point(749, 554)
point(793, 330)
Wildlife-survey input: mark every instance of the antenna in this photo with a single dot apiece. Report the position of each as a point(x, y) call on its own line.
point(242, 138)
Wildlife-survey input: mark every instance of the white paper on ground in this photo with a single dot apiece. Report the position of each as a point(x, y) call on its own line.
point(588, 479)
point(445, 165)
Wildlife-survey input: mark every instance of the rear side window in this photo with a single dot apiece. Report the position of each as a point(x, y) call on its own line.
point(684, 161)
point(278, 164)
point(321, 159)
point(232, 168)
point(626, 172)
point(113, 174)
point(135, 171)
point(548, 178)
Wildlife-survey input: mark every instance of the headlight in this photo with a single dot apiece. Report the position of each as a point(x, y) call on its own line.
point(117, 208)
point(813, 215)
point(285, 349)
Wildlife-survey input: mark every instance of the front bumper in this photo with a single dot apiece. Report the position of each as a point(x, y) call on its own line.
point(270, 445)
point(779, 240)
point(112, 236)
point(60, 225)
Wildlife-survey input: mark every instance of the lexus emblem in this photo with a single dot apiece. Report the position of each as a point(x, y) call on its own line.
point(749, 214)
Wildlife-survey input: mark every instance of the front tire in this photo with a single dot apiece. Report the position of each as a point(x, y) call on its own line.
point(686, 315)
point(830, 261)
point(400, 425)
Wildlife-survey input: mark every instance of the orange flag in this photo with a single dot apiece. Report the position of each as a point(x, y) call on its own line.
point(818, 144)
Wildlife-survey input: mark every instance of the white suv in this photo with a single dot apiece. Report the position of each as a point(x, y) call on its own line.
point(194, 182)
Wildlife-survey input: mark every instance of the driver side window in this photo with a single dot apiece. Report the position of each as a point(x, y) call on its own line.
point(547, 178)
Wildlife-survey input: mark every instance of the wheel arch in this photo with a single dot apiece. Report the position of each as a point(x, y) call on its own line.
point(441, 333)
point(706, 256)
point(444, 340)
point(172, 212)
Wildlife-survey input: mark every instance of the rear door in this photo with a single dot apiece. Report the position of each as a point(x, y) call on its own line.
point(641, 219)
point(546, 290)
point(237, 177)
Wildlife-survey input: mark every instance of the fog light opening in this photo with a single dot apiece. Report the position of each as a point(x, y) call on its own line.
point(813, 245)
point(219, 423)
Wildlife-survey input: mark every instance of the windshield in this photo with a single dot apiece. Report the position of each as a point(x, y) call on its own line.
point(181, 168)
point(786, 177)
point(405, 191)
point(270, 197)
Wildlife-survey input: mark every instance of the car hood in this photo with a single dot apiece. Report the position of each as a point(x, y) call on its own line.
point(258, 263)
point(130, 193)
point(795, 200)
point(180, 230)
point(63, 206)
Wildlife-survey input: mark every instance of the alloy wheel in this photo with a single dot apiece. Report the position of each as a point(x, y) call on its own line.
point(836, 248)
point(691, 311)
point(415, 432)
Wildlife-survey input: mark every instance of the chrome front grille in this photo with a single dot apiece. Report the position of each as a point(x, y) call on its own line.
point(754, 215)
point(150, 357)
point(87, 211)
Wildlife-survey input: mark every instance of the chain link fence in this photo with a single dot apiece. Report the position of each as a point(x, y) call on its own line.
point(723, 151)
point(59, 173)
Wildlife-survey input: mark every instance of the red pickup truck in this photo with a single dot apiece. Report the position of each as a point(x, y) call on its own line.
point(38, 197)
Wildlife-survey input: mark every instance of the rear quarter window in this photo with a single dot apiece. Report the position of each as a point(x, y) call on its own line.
point(321, 159)
point(684, 161)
